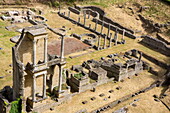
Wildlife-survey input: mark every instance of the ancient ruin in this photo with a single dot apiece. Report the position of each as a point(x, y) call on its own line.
point(89, 59)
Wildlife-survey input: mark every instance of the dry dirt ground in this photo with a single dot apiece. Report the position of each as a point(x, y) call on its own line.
point(146, 103)
point(71, 45)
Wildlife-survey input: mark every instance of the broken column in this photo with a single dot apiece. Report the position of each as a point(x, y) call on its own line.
point(108, 32)
point(123, 34)
point(79, 20)
point(88, 15)
point(96, 25)
point(84, 19)
point(68, 14)
point(98, 43)
point(102, 27)
point(116, 36)
point(110, 41)
point(104, 47)
point(140, 57)
point(89, 26)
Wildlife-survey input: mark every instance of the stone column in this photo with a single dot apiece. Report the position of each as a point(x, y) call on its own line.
point(61, 69)
point(45, 49)
point(96, 25)
point(34, 52)
point(123, 34)
point(89, 25)
point(102, 27)
point(88, 15)
point(108, 32)
point(68, 14)
point(34, 88)
point(62, 49)
point(105, 42)
point(84, 19)
point(98, 42)
point(44, 85)
point(110, 41)
point(79, 20)
point(116, 36)
point(64, 13)
point(140, 57)
point(60, 79)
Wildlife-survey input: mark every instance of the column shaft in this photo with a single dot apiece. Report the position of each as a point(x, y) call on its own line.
point(34, 89)
point(34, 52)
point(62, 49)
point(98, 42)
point(102, 27)
point(60, 80)
point(110, 41)
point(45, 50)
point(96, 25)
point(44, 85)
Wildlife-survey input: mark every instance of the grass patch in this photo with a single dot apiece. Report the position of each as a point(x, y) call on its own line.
point(78, 76)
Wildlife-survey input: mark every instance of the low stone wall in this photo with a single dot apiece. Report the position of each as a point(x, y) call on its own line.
point(157, 44)
point(163, 39)
point(155, 61)
point(91, 12)
point(74, 10)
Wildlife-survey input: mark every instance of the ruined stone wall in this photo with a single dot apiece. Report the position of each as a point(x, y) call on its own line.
point(18, 81)
point(156, 44)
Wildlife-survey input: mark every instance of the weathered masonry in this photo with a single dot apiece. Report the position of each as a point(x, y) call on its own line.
point(33, 66)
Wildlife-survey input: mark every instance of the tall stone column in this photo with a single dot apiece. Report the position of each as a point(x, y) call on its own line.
point(62, 49)
point(108, 32)
point(84, 18)
point(110, 40)
point(60, 67)
point(34, 88)
point(34, 52)
point(96, 25)
point(44, 85)
point(123, 34)
point(105, 38)
point(45, 49)
point(102, 27)
point(98, 42)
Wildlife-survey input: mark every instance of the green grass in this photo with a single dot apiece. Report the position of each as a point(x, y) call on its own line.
point(78, 76)
point(5, 53)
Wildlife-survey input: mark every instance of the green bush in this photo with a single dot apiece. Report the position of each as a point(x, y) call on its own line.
point(16, 106)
